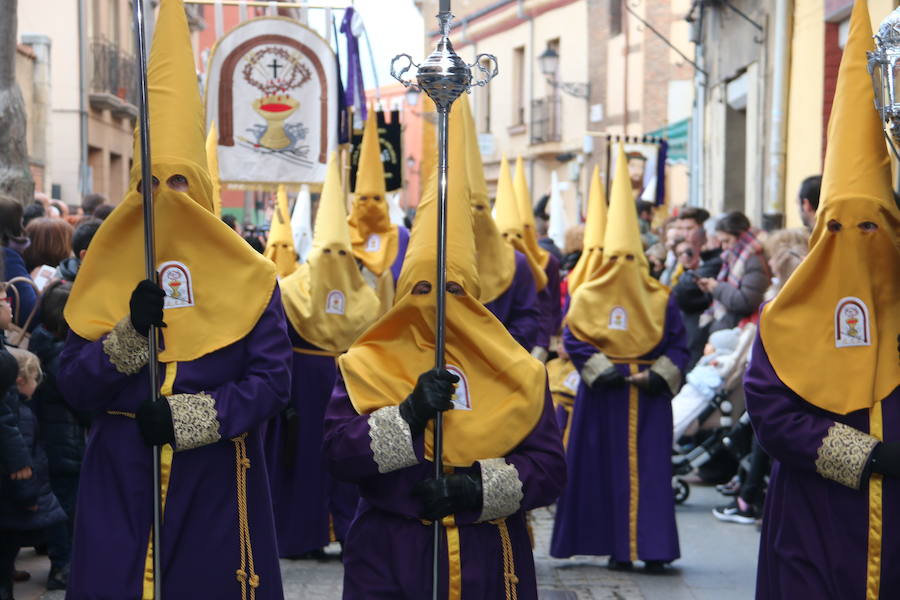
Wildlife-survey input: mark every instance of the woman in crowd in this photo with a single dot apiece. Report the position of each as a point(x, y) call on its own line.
point(742, 283)
point(14, 243)
point(51, 243)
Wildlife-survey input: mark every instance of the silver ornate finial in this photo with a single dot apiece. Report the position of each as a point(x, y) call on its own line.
point(883, 64)
point(444, 76)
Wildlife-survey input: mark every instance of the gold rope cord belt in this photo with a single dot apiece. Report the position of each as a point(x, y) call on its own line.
point(631, 361)
point(510, 579)
point(242, 464)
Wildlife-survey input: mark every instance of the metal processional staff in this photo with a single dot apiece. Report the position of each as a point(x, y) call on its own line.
point(444, 76)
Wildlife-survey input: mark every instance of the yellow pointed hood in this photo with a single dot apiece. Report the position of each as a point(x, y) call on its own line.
point(212, 162)
point(831, 332)
point(622, 309)
point(509, 222)
point(496, 259)
point(201, 262)
point(280, 243)
point(501, 393)
point(526, 213)
point(375, 239)
point(326, 300)
point(594, 230)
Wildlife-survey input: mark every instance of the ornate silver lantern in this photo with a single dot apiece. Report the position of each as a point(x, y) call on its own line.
point(884, 68)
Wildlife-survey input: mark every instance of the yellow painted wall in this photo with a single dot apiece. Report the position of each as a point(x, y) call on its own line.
point(804, 128)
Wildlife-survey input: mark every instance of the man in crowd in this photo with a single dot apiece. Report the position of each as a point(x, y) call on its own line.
point(809, 199)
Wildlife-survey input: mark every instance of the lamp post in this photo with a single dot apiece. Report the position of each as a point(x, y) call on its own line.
point(548, 62)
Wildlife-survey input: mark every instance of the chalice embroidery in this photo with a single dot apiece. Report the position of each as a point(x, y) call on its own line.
point(275, 72)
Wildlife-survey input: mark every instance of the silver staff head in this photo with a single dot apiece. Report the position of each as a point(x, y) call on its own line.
point(444, 75)
point(884, 67)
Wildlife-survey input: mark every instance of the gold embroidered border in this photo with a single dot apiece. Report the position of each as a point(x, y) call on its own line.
point(843, 455)
point(633, 482)
point(128, 350)
point(876, 513)
point(195, 420)
point(391, 444)
point(666, 369)
point(595, 365)
point(502, 489)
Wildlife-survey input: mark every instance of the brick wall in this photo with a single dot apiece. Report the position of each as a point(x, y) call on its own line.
point(832, 59)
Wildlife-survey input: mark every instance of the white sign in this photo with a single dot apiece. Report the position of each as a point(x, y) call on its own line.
point(272, 91)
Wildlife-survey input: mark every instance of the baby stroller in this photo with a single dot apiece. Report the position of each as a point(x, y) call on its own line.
point(713, 389)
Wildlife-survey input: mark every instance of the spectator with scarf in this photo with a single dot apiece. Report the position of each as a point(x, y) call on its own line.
point(741, 284)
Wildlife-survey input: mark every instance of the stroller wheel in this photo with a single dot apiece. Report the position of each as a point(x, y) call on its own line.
point(681, 489)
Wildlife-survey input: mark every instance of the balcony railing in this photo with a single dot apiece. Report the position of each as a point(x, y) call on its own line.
point(113, 82)
point(546, 120)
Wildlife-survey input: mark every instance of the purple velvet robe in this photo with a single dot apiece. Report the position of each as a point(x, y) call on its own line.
point(201, 549)
point(596, 513)
point(549, 301)
point(388, 553)
point(517, 308)
point(298, 479)
point(402, 244)
point(816, 530)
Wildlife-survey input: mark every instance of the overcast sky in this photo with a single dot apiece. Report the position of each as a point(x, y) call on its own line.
point(394, 27)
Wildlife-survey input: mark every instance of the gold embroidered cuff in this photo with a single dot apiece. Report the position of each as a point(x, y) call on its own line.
point(127, 349)
point(195, 420)
point(392, 446)
point(501, 489)
point(540, 353)
point(594, 366)
point(844, 454)
point(666, 369)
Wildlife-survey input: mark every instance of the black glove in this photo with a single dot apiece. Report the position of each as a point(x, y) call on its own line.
point(649, 381)
point(448, 495)
point(147, 307)
point(154, 421)
point(433, 394)
point(609, 378)
point(885, 459)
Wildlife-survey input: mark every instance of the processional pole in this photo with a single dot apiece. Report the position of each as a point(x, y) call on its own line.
point(150, 272)
point(444, 76)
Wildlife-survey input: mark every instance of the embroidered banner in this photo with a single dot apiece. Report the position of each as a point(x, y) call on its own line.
point(272, 90)
point(389, 136)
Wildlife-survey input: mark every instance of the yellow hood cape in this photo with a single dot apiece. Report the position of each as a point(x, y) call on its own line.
point(594, 230)
point(375, 239)
point(526, 213)
point(327, 300)
point(217, 287)
point(509, 222)
point(502, 388)
point(212, 163)
point(831, 332)
point(622, 311)
point(280, 243)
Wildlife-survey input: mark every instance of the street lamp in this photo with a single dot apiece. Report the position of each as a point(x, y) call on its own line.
point(884, 68)
point(411, 97)
point(548, 62)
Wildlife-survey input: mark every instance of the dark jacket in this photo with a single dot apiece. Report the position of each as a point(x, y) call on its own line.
point(62, 429)
point(693, 301)
point(17, 496)
point(742, 300)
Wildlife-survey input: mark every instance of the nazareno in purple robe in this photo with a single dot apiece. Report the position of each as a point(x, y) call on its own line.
point(517, 308)
point(549, 301)
point(619, 500)
point(219, 397)
point(388, 553)
point(298, 478)
point(815, 535)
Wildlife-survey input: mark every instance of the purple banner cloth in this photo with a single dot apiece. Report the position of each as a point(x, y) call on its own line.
point(356, 89)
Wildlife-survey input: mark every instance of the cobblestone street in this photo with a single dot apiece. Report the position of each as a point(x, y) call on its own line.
point(719, 563)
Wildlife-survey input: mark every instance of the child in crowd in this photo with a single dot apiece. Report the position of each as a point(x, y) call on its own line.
point(29, 512)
